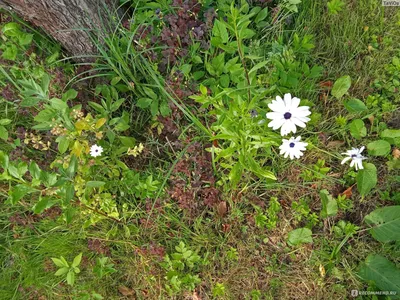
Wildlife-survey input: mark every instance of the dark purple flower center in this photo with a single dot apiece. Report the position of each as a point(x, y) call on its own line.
point(291, 145)
point(287, 115)
point(353, 155)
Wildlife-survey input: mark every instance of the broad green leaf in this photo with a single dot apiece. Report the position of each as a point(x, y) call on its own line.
point(29, 101)
point(10, 52)
point(144, 102)
point(392, 136)
point(42, 204)
point(300, 236)
point(3, 133)
point(117, 104)
point(358, 129)
point(219, 30)
point(11, 29)
point(63, 144)
point(385, 223)
point(261, 15)
point(154, 107)
point(341, 86)
point(4, 160)
point(329, 205)
point(354, 105)
point(69, 95)
point(382, 272)
point(73, 166)
point(59, 263)
point(366, 179)
point(378, 148)
point(149, 92)
point(62, 271)
point(71, 277)
point(5, 122)
point(97, 107)
point(95, 184)
point(235, 174)
point(34, 170)
point(18, 192)
point(77, 260)
point(58, 104)
point(69, 192)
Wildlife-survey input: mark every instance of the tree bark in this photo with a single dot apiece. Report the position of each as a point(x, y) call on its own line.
point(70, 22)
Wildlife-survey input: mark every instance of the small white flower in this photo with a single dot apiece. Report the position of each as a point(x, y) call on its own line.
point(96, 150)
point(356, 158)
point(287, 114)
point(292, 147)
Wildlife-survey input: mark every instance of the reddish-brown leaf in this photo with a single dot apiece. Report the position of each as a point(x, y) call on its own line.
point(348, 192)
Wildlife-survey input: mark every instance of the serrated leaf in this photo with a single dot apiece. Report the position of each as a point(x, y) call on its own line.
point(385, 223)
point(300, 236)
point(382, 272)
point(366, 179)
point(341, 86)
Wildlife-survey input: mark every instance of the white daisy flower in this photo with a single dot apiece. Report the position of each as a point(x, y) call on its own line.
point(96, 150)
point(287, 114)
point(292, 147)
point(356, 158)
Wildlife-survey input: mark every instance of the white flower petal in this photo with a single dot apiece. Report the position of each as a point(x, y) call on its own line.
point(277, 123)
point(298, 122)
point(345, 160)
point(274, 115)
point(288, 100)
point(295, 103)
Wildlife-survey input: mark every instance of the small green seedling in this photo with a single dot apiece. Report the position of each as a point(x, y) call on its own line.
point(68, 270)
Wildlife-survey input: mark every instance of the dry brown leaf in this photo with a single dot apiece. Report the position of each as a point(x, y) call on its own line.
point(348, 192)
point(326, 84)
point(396, 153)
point(222, 209)
point(125, 290)
point(196, 296)
point(371, 119)
point(335, 144)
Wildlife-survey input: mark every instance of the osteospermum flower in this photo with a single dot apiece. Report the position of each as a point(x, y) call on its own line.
point(356, 158)
point(292, 147)
point(287, 114)
point(96, 150)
